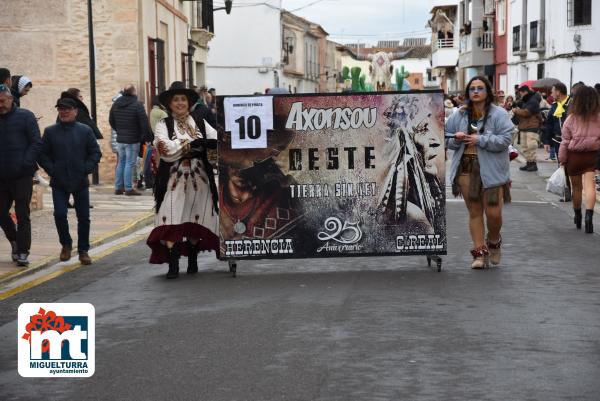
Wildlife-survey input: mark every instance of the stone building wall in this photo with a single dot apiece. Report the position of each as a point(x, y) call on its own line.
point(47, 40)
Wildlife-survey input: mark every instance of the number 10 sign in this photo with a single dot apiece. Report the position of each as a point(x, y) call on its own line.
point(248, 119)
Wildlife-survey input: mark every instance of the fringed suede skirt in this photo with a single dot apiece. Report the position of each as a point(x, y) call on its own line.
point(469, 166)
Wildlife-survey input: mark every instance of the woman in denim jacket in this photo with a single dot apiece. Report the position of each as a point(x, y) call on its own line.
point(479, 134)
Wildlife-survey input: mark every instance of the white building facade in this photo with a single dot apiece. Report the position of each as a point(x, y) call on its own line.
point(445, 27)
point(245, 53)
point(263, 46)
point(557, 39)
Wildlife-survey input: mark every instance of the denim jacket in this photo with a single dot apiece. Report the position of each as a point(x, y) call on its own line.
point(492, 145)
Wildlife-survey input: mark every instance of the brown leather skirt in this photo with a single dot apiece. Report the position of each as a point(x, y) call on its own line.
point(581, 162)
point(469, 166)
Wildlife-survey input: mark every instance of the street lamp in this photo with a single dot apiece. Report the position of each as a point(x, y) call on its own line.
point(288, 48)
point(208, 3)
point(227, 8)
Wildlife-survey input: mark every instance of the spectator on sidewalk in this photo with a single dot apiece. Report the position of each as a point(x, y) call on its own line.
point(83, 114)
point(201, 113)
point(157, 113)
point(114, 146)
point(21, 85)
point(69, 153)
point(150, 158)
point(128, 117)
point(579, 148)
point(21, 146)
point(552, 127)
point(508, 104)
point(83, 117)
point(528, 113)
point(212, 102)
point(5, 77)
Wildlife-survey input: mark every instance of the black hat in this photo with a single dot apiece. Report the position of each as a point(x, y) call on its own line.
point(524, 88)
point(66, 102)
point(178, 88)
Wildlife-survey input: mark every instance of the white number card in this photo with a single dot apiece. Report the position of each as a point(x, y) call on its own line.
point(248, 119)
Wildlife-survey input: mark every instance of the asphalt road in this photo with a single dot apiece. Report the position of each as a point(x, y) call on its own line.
point(385, 328)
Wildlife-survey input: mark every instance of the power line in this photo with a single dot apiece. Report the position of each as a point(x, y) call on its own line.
point(307, 5)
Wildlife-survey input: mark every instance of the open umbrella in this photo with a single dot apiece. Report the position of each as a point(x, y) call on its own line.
point(545, 83)
point(527, 83)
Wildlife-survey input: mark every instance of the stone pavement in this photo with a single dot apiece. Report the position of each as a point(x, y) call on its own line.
point(112, 216)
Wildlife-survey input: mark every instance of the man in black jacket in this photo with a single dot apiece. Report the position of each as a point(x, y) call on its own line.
point(128, 117)
point(69, 153)
point(21, 146)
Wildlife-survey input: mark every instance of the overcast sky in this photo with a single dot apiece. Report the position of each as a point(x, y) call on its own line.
point(364, 21)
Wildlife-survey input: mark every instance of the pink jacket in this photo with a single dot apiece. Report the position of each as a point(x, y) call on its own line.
point(579, 136)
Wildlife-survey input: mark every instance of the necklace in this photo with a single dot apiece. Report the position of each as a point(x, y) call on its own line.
point(240, 222)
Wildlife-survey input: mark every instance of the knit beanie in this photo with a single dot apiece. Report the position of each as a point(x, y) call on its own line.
point(23, 82)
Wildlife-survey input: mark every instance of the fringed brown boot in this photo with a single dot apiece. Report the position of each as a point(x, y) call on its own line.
point(494, 250)
point(480, 257)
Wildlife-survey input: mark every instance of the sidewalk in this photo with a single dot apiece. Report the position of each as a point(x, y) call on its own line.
point(547, 167)
point(112, 216)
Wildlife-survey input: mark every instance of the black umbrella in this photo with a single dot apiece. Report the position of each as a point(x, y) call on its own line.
point(545, 83)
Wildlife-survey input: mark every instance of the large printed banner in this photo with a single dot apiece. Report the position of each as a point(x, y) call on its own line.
point(305, 176)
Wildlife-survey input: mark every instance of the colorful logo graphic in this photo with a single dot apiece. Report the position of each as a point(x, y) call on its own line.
point(56, 340)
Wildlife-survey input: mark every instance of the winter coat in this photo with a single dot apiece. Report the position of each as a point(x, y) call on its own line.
point(579, 136)
point(83, 115)
point(551, 129)
point(492, 145)
point(20, 144)
point(69, 153)
point(156, 114)
point(14, 89)
point(128, 117)
point(529, 112)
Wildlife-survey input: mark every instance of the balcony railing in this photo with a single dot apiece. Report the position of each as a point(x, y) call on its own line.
point(536, 35)
point(487, 41)
point(444, 43)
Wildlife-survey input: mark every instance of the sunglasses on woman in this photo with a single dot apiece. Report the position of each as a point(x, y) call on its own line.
point(477, 89)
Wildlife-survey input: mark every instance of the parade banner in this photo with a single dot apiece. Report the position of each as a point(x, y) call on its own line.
point(329, 175)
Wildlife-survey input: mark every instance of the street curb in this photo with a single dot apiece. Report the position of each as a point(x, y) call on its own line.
point(122, 231)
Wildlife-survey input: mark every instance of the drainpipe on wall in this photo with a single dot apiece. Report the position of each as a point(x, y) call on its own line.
point(92, 51)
